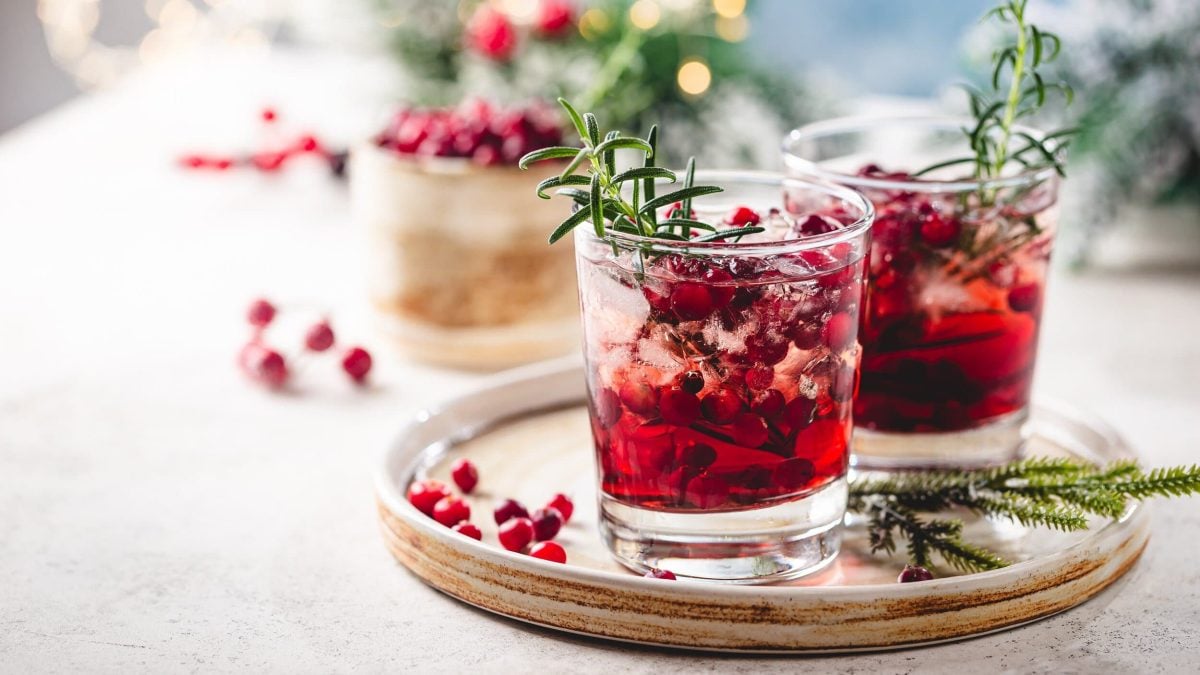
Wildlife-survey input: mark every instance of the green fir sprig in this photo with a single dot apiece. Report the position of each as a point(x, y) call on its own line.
point(996, 112)
point(600, 193)
point(1058, 493)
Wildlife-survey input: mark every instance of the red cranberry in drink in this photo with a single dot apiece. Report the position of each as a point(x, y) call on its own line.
point(548, 550)
point(465, 475)
point(814, 225)
point(707, 492)
point(678, 406)
point(260, 313)
point(425, 494)
point(319, 337)
point(750, 430)
point(691, 301)
point(760, 378)
point(697, 457)
point(546, 523)
point(608, 407)
point(357, 364)
point(639, 398)
point(655, 573)
point(692, 381)
point(807, 336)
point(468, 530)
point(507, 510)
point(516, 534)
point(768, 403)
point(794, 473)
point(1025, 297)
point(767, 347)
point(938, 231)
point(743, 216)
point(563, 505)
point(913, 573)
point(839, 331)
point(264, 365)
point(451, 510)
point(719, 288)
point(799, 412)
point(721, 405)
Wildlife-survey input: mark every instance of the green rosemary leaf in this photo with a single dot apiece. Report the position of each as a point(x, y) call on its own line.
point(1046, 152)
point(1037, 45)
point(648, 185)
point(597, 207)
point(569, 224)
point(644, 172)
point(679, 196)
point(582, 197)
point(630, 142)
point(687, 222)
point(593, 128)
point(1008, 55)
point(723, 234)
point(555, 181)
point(576, 120)
point(553, 152)
point(942, 165)
point(1040, 87)
point(664, 234)
point(1056, 48)
point(636, 197)
point(688, 181)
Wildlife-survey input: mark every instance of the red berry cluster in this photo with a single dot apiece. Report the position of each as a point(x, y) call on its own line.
point(518, 528)
point(475, 130)
point(268, 366)
point(491, 34)
point(272, 158)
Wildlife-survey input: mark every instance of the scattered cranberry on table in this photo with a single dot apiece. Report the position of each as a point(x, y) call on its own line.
point(357, 364)
point(563, 505)
point(507, 510)
point(469, 530)
point(546, 523)
point(261, 313)
point(656, 573)
point(268, 366)
point(548, 550)
point(913, 573)
point(465, 475)
point(319, 337)
point(515, 534)
point(270, 158)
point(264, 365)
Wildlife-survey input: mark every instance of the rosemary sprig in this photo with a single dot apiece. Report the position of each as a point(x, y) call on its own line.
point(1058, 493)
point(604, 202)
point(997, 111)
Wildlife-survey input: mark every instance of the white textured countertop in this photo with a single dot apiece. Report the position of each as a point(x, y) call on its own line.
point(160, 514)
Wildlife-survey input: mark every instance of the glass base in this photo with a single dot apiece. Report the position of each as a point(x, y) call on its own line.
point(751, 546)
point(999, 441)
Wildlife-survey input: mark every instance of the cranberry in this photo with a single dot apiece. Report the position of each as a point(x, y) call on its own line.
point(269, 115)
point(814, 225)
point(678, 406)
point(507, 510)
point(639, 397)
point(721, 406)
point(451, 510)
point(555, 18)
point(485, 155)
point(938, 231)
point(261, 312)
point(913, 573)
point(548, 550)
point(308, 144)
point(793, 474)
point(465, 476)
point(839, 331)
point(719, 288)
point(491, 34)
point(357, 363)
point(676, 211)
point(608, 407)
point(563, 505)
point(655, 573)
point(546, 523)
point(743, 216)
point(799, 411)
point(760, 378)
point(426, 494)
point(692, 381)
point(691, 301)
point(707, 492)
point(1025, 297)
point(319, 337)
point(750, 430)
point(469, 530)
point(516, 534)
point(768, 403)
point(767, 347)
point(807, 336)
point(264, 365)
point(698, 457)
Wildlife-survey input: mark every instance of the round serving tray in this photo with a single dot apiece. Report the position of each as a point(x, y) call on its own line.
point(529, 436)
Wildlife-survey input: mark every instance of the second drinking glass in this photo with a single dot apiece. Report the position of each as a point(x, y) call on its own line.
point(720, 378)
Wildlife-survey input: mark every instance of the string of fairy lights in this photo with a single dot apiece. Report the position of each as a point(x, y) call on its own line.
point(178, 25)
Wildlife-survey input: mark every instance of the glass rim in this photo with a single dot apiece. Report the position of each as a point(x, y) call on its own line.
point(846, 233)
point(839, 125)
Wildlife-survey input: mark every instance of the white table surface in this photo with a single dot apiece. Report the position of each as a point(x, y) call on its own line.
point(160, 514)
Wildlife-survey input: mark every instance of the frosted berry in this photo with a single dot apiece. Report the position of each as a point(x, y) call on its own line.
point(357, 363)
point(655, 573)
point(913, 573)
point(426, 494)
point(264, 365)
point(507, 510)
point(563, 505)
point(469, 530)
point(451, 510)
point(516, 534)
point(546, 523)
point(319, 337)
point(548, 550)
point(260, 313)
point(464, 474)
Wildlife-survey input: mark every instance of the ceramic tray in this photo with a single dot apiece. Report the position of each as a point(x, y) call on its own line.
point(528, 434)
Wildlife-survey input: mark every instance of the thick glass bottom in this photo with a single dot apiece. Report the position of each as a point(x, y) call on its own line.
point(999, 441)
point(750, 546)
